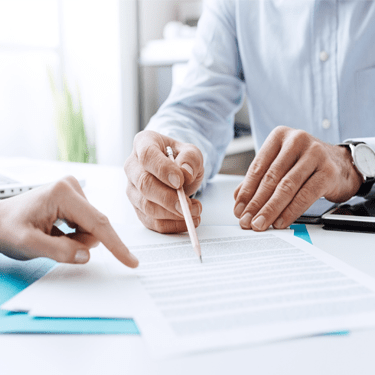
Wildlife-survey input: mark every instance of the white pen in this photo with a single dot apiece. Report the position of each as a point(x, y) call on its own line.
point(187, 214)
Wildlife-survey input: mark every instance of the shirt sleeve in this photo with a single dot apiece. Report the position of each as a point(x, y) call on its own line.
point(201, 110)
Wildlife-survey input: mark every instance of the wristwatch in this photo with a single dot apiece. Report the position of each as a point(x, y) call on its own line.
point(364, 161)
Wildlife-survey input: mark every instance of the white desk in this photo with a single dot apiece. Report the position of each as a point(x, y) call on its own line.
point(121, 354)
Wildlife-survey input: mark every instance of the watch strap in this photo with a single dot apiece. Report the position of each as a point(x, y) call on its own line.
point(366, 186)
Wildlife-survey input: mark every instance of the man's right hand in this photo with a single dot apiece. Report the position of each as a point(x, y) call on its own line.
point(153, 179)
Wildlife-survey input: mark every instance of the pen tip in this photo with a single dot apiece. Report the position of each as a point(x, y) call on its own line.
point(201, 259)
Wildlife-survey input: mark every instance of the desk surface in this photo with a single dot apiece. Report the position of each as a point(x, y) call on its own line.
point(106, 354)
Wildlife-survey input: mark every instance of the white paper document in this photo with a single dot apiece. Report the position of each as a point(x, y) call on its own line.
point(251, 288)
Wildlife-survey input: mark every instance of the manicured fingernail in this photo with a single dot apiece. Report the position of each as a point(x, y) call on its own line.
point(174, 179)
point(82, 256)
point(195, 211)
point(246, 220)
point(178, 208)
point(188, 168)
point(278, 223)
point(239, 209)
point(258, 223)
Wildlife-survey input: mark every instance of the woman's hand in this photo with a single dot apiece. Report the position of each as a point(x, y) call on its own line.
point(27, 226)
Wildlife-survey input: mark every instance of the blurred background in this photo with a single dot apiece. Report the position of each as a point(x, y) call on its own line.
point(79, 78)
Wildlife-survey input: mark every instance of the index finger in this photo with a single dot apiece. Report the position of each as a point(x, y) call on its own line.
point(255, 173)
point(78, 210)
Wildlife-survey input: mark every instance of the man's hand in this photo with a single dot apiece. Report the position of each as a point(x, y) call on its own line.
point(291, 171)
point(153, 179)
point(27, 226)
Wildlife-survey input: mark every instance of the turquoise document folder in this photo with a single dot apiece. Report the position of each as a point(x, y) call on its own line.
point(16, 276)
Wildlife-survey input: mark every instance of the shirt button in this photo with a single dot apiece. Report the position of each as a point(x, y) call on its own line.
point(323, 55)
point(326, 124)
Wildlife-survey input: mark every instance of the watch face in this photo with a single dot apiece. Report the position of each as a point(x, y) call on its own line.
point(364, 159)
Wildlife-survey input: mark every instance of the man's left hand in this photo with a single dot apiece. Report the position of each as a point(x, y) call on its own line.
point(291, 171)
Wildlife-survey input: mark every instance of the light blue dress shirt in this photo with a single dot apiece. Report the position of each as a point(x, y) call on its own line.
point(306, 64)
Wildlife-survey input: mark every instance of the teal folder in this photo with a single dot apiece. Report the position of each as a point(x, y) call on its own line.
point(16, 276)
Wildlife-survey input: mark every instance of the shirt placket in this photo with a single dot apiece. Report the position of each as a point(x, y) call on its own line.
point(324, 62)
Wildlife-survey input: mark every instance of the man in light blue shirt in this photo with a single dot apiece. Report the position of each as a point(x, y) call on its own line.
point(308, 65)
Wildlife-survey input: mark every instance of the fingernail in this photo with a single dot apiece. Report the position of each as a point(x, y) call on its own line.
point(258, 223)
point(278, 223)
point(245, 221)
point(174, 179)
point(195, 211)
point(82, 256)
point(134, 258)
point(188, 169)
point(239, 209)
point(197, 221)
point(178, 208)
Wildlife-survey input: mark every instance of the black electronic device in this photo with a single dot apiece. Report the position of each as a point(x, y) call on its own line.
point(358, 214)
point(314, 214)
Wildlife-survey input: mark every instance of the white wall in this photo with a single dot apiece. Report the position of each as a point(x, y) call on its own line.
point(100, 51)
point(94, 43)
point(28, 45)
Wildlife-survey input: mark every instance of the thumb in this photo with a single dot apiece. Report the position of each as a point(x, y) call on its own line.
point(190, 160)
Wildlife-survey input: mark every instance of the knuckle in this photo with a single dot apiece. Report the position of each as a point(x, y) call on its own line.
point(200, 173)
point(254, 206)
point(138, 138)
point(192, 152)
point(71, 180)
point(256, 170)
point(244, 195)
point(144, 182)
point(144, 155)
point(271, 209)
point(305, 197)
point(148, 207)
point(167, 198)
point(289, 215)
point(143, 218)
point(298, 139)
point(101, 221)
point(60, 188)
point(317, 149)
point(63, 256)
point(301, 135)
point(162, 226)
point(270, 178)
point(287, 186)
point(161, 169)
point(280, 131)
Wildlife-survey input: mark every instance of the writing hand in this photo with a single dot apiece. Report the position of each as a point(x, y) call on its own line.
point(27, 226)
point(291, 171)
point(153, 179)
